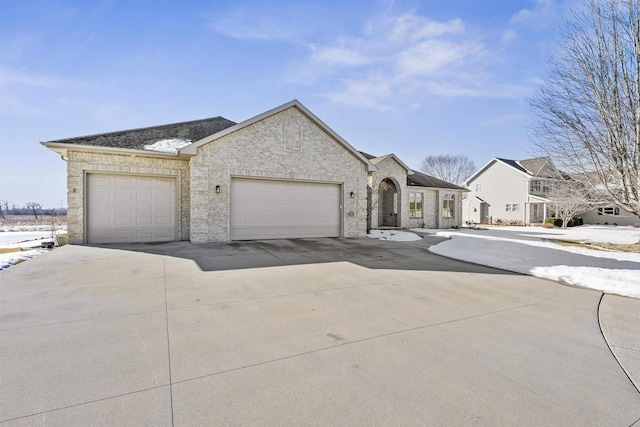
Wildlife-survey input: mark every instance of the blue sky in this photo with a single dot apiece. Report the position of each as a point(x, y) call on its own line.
point(415, 78)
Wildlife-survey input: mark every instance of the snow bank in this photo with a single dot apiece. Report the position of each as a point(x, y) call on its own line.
point(398, 236)
point(520, 250)
point(9, 259)
point(168, 145)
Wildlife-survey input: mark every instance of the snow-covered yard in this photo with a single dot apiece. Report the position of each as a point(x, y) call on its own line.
point(537, 251)
point(19, 243)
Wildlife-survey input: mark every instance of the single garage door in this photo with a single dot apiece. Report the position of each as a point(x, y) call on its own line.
point(262, 209)
point(130, 208)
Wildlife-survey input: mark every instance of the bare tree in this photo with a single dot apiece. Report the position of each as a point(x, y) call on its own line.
point(588, 106)
point(34, 208)
point(451, 168)
point(569, 198)
point(4, 208)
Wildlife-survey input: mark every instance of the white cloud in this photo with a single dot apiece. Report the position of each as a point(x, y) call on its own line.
point(411, 27)
point(542, 14)
point(23, 93)
point(399, 61)
point(508, 36)
point(338, 56)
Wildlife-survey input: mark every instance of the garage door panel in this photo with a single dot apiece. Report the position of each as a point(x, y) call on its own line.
point(130, 208)
point(263, 209)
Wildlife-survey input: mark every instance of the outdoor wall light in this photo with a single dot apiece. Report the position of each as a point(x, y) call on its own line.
point(218, 189)
point(353, 195)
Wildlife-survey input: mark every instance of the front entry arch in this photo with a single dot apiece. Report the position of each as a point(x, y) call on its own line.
point(388, 200)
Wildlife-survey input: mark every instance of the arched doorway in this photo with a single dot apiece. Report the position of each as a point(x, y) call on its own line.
point(387, 204)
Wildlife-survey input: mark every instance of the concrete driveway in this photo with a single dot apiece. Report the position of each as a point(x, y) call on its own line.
point(304, 332)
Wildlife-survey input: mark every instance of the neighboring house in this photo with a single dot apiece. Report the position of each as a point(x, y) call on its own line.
point(610, 215)
point(604, 214)
point(510, 190)
point(281, 174)
point(517, 190)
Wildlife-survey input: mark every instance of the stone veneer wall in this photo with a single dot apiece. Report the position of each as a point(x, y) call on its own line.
point(81, 162)
point(429, 208)
point(285, 146)
point(389, 168)
point(432, 209)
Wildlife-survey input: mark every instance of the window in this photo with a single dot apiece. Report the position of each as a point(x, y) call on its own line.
point(478, 187)
point(415, 205)
point(610, 210)
point(539, 186)
point(536, 211)
point(515, 207)
point(511, 207)
point(507, 207)
point(448, 206)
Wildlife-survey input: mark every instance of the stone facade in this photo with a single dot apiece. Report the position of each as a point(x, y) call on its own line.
point(432, 202)
point(287, 146)
point(80, 163)
point(389, 168)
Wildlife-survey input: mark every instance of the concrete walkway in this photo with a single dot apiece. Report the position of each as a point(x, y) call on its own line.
point(326, 332)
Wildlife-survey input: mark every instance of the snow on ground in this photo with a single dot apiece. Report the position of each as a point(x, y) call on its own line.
point(528, 250)
point(398, 236)
point(9, 259)
point(168, 145)
point(29, 238)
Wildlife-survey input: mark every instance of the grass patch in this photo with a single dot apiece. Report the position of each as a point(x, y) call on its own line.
point(633, 247)
point(9, 250)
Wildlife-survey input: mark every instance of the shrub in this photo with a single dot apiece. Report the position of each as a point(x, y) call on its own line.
point(555, 221)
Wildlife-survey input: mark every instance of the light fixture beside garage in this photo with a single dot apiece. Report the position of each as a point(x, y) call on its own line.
point(353, 195)
point(217, 189)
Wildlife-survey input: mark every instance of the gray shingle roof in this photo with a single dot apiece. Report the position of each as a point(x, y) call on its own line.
point(419, 179)
point(424, 180)
point(534, 166)
point(136, 139)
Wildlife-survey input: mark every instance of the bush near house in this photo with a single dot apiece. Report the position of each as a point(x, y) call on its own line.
point(510, 222)
point(558, 221)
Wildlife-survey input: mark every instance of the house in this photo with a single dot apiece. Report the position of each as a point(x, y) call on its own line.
point(510, 190)
point(281, 174)
point(517, 191)
point(429, 202)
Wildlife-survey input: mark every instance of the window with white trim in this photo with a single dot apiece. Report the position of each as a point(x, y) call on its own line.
point(448, 206)
point(609, 210)
point(415, 205)
point(511, 207)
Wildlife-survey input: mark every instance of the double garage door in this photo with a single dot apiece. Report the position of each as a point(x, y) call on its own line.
point(263, 209)
point(130, 208)
point(123, 208)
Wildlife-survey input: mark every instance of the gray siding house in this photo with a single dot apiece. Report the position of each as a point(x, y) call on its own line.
point(517, 190)
point(510, 190)
point(281, 174)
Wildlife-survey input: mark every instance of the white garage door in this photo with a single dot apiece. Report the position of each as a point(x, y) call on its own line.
point(127, 208)
point(262, 209)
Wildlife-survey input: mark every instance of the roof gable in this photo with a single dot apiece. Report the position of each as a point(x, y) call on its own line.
point(513, 164)
point(378, 160)
point(192, 149)
point(534, 166)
